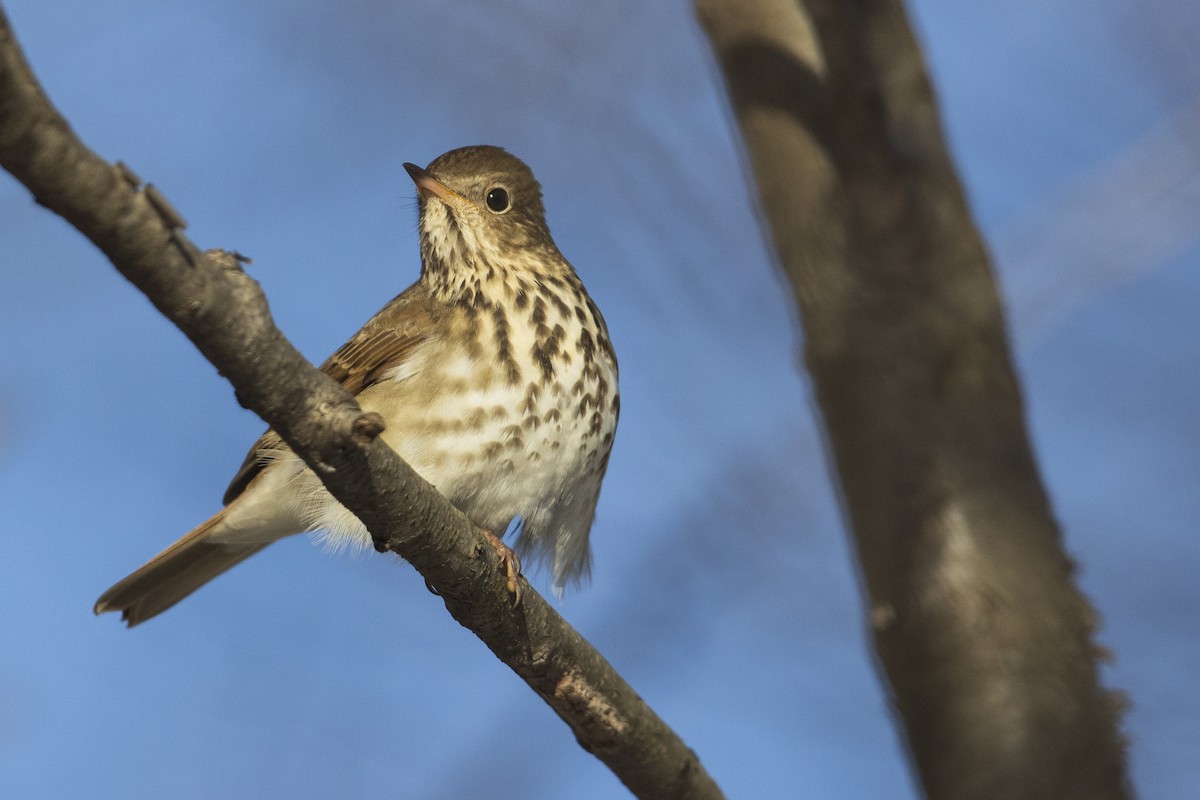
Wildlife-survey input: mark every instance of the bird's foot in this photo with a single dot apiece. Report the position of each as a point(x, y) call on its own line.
point(512, 564)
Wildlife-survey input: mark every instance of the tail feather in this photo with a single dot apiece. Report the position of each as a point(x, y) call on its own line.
point(174, 573)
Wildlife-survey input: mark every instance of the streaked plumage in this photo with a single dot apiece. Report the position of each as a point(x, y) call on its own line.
point(494, 374)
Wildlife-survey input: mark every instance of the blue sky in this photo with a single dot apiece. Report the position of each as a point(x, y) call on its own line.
point(723, 587)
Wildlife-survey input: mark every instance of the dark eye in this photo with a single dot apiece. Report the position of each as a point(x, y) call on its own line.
point(497, 199)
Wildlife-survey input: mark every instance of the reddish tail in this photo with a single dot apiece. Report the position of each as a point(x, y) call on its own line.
point(173, 574)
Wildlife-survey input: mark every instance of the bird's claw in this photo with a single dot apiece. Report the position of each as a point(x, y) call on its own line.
point(511, 562)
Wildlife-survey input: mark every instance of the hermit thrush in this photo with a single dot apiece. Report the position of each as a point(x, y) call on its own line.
point(493, 373)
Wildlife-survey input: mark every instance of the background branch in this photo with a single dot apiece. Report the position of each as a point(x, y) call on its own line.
point(983, 637)
point(225, 314)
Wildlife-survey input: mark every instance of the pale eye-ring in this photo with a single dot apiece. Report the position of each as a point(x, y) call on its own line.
point(497, 200)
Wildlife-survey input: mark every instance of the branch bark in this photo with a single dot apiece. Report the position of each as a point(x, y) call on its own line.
point(225, 315)
point(985, 641)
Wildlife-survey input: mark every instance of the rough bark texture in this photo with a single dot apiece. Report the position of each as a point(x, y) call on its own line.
point(225, 314)
point(985, 640)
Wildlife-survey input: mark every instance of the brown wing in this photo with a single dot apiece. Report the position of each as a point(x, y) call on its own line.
point(382, 344)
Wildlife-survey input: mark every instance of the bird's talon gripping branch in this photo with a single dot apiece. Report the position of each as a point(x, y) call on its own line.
point(511, 562)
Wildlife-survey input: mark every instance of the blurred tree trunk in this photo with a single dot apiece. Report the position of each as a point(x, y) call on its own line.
point(985, 641)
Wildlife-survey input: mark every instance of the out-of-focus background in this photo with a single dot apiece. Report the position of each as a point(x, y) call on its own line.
point(724, 589)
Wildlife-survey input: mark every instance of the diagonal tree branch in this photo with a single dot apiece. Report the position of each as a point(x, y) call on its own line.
point(984, 639)
point(225, 315)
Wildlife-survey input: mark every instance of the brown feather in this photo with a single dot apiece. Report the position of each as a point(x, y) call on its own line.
point(173, 574)
point(383, 344)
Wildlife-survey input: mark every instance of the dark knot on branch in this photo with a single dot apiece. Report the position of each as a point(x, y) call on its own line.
point(366, 428)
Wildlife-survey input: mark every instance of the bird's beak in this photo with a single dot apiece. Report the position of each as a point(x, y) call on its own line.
point(428, 185)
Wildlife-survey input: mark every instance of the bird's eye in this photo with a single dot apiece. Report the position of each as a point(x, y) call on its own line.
point(497, 200)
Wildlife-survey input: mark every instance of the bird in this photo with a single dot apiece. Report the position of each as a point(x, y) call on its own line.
point(495, 378)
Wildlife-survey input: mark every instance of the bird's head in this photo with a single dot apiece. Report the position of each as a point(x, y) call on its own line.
point(481, 218)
